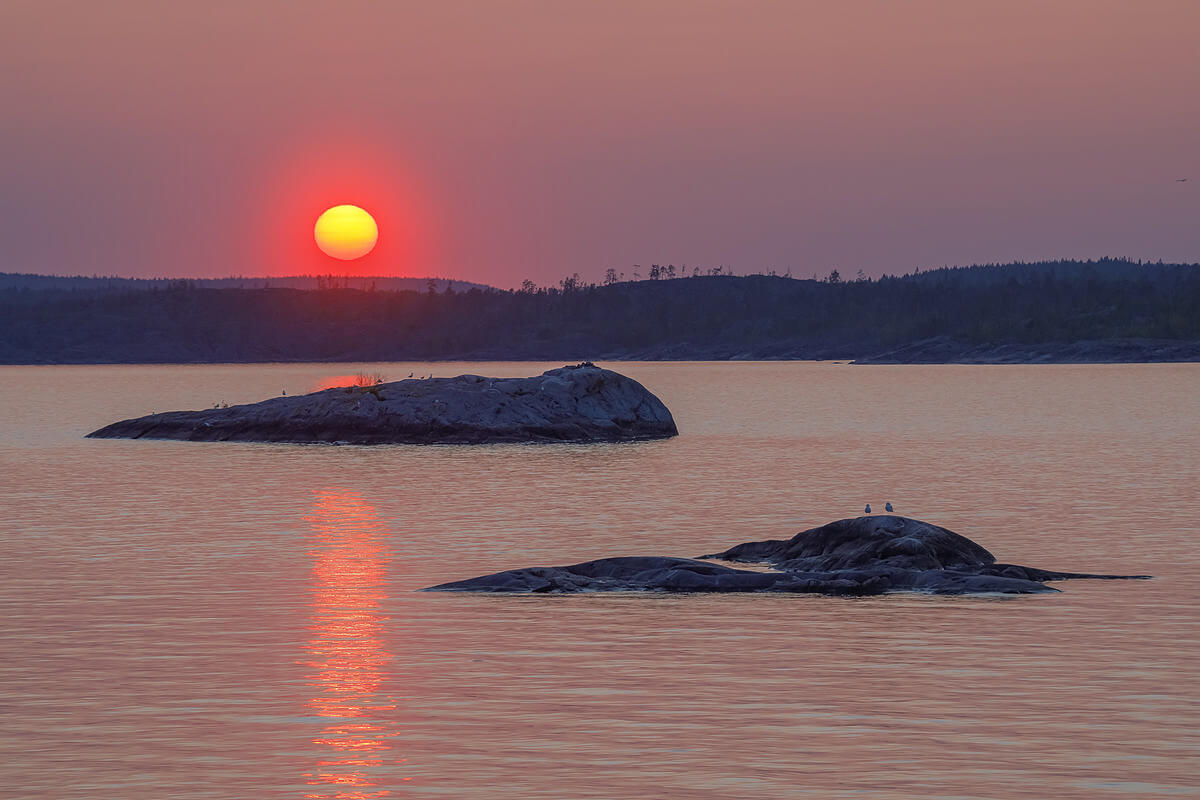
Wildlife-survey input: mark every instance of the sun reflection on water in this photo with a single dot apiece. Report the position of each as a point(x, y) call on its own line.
point(348, 651)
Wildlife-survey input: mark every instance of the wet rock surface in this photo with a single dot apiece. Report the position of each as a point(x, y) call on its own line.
point(861, 556)
point(583, 403)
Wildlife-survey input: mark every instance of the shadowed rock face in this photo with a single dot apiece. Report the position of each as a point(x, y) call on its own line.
point(571, 404)
point(652, 573)
point(872, 541)
point(862, 556)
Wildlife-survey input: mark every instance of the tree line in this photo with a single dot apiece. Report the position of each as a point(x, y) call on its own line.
point(671, 316)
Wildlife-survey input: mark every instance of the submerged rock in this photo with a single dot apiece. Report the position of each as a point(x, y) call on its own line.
point(583, 403)
point(861, 556)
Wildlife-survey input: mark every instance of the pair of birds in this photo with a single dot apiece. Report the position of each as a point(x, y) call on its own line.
point(886, 507)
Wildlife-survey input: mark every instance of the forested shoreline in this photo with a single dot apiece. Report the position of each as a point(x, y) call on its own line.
point(1088, 311)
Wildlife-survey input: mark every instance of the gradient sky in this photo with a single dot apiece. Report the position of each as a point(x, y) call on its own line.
point(497, 141)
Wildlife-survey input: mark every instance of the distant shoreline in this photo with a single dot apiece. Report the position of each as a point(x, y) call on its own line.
point(1068, 312)
point(1093, 351)
point(930, 352)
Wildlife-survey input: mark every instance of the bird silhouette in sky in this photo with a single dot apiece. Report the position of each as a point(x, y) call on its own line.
point(1181, 180)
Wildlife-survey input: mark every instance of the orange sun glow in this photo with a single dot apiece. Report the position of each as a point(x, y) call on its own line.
point(346, 232)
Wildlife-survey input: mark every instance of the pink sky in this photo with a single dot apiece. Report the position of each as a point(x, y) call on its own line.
point(503, 141)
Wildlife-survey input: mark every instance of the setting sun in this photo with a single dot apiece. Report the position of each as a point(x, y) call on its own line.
point(346, 232)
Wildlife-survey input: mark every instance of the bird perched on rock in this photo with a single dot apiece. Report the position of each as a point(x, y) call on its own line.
point(888, 507)
point(867, 510)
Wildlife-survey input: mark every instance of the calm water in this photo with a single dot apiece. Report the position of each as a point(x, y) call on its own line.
point(234, 621)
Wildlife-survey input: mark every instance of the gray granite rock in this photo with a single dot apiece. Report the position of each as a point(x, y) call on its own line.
point(873, 541)
point(583, 403)
point(652, 573)
point(861, 556)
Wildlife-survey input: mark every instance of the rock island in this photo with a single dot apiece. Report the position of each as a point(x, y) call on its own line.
point(582, 403)
point(861, 556)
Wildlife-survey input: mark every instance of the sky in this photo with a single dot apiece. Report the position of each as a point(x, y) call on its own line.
point(503, 141)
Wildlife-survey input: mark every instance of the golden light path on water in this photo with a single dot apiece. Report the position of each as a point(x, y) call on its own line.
point(348, 652)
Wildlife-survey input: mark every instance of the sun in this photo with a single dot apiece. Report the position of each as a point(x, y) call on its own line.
point(346, 232)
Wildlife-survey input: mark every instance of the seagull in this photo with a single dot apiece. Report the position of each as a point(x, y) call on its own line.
point(410, 374)
point(867, 510)
point(283, 391)
point(888, 507)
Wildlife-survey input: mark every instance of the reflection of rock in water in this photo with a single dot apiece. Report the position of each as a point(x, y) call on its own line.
point(865, 555)
point(347, 652)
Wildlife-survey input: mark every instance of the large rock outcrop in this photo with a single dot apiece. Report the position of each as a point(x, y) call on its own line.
point(583, 403)
point(861, 556)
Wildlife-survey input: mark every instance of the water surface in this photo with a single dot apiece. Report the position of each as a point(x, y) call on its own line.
point(213, 620)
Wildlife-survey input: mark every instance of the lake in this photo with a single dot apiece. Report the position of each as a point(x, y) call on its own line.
point(216, 620)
